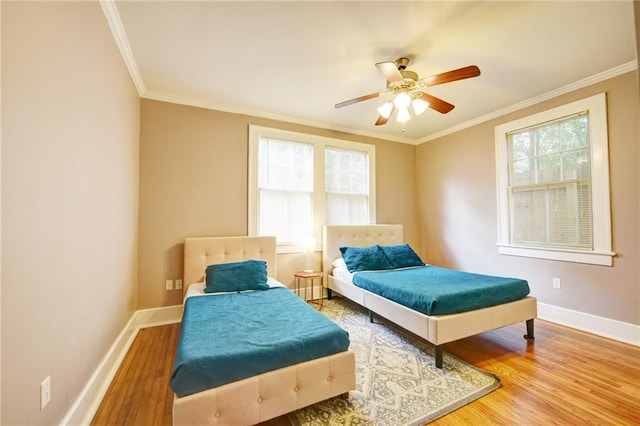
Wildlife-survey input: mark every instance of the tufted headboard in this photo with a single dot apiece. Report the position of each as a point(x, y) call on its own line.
point(336, 236)
point(204, 251)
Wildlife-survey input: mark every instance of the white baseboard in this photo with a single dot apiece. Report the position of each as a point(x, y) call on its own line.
point(605, 327)
point(85, 406)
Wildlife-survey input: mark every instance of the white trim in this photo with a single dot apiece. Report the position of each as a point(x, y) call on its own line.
point(206, 104)
point(604, 327)
point(158, 316)
point(601, 212)
point(86, 404)
point(320, 143)
point(591, 257)
point(305, 292)
point(120, 36)
point(585, 82)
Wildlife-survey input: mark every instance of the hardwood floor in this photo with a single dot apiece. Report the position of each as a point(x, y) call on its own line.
point(139, 393)
point(564, 377)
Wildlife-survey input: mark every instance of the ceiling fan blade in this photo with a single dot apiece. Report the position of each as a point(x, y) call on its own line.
point(449, 76)
point(359, 99)
point(390, 71)
point(437, 104)
point(382, 120)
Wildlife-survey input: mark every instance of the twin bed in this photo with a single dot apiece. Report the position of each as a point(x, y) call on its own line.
point(280, 365)
point(435, 328)
point(272, 352)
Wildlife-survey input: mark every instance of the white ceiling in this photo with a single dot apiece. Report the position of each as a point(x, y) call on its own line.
point(295, 60)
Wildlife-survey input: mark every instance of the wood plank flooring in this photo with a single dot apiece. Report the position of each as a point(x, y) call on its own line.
point(564, 377)
point(139, 393)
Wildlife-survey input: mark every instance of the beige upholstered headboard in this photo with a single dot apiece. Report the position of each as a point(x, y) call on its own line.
point(202, 252)
point(336, 236)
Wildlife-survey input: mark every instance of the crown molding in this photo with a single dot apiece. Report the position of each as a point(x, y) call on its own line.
point(585, 82)
point(120, 37)
point(165, 97)
point(115, 24)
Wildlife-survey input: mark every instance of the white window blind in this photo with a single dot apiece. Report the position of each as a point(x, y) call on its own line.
point(347, 186)
point(299, 182)
point(553, 184)
point(550, 184)
point(285, 186)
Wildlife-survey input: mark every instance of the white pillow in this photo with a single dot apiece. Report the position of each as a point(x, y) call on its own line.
point(340, 270)
point(339, 263)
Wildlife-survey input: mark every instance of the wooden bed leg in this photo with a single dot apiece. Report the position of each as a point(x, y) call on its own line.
point(529, 335)
point(344, 396)
point(329, 294)
point(438, 356)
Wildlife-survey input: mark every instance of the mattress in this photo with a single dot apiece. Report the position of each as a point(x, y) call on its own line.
point(433, 290)
point(229, 337)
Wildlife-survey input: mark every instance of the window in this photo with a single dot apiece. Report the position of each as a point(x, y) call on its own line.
point(347, 186)
point(299, 182)
point(285, 188)
point(553, 184)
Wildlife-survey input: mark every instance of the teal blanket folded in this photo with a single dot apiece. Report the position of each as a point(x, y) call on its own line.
point(437, 291)
point(229, 337)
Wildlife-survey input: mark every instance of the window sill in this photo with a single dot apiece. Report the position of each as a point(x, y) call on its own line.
point(287, 248)
point(591, 257)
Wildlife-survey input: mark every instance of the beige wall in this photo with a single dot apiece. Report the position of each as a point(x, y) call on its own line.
point(70, 122)
point(193, 182)
point(457, 210)
point(72, 162)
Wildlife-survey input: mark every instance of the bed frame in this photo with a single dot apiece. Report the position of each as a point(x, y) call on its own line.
point(437, 329)
point(265, 396)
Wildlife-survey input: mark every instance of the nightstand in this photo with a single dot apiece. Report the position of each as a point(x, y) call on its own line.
point(308, 279)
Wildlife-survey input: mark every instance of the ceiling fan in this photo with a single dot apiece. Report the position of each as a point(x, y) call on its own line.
point(407, 88)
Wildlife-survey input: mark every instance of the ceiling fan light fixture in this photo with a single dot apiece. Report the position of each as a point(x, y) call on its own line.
point(402, 100)
point(406, 88)
point(385, 109)
point(403, 115)
point(419, 106)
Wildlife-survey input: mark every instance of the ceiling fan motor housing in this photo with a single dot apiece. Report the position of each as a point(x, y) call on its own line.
point(402, 63)
point(409, 74)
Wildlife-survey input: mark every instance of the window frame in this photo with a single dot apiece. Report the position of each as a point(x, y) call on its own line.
point(602, 253)
point(319, 193)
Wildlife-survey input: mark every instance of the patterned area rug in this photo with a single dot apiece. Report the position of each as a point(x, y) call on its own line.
point(397, 382)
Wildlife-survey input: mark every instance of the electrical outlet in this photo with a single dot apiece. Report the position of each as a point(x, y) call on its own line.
point(45, 392)
point(178, 284)
point(168, 285)
point(556, 283)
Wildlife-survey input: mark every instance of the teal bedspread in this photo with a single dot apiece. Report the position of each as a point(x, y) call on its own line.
point(437, 291)
point(229, 337)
